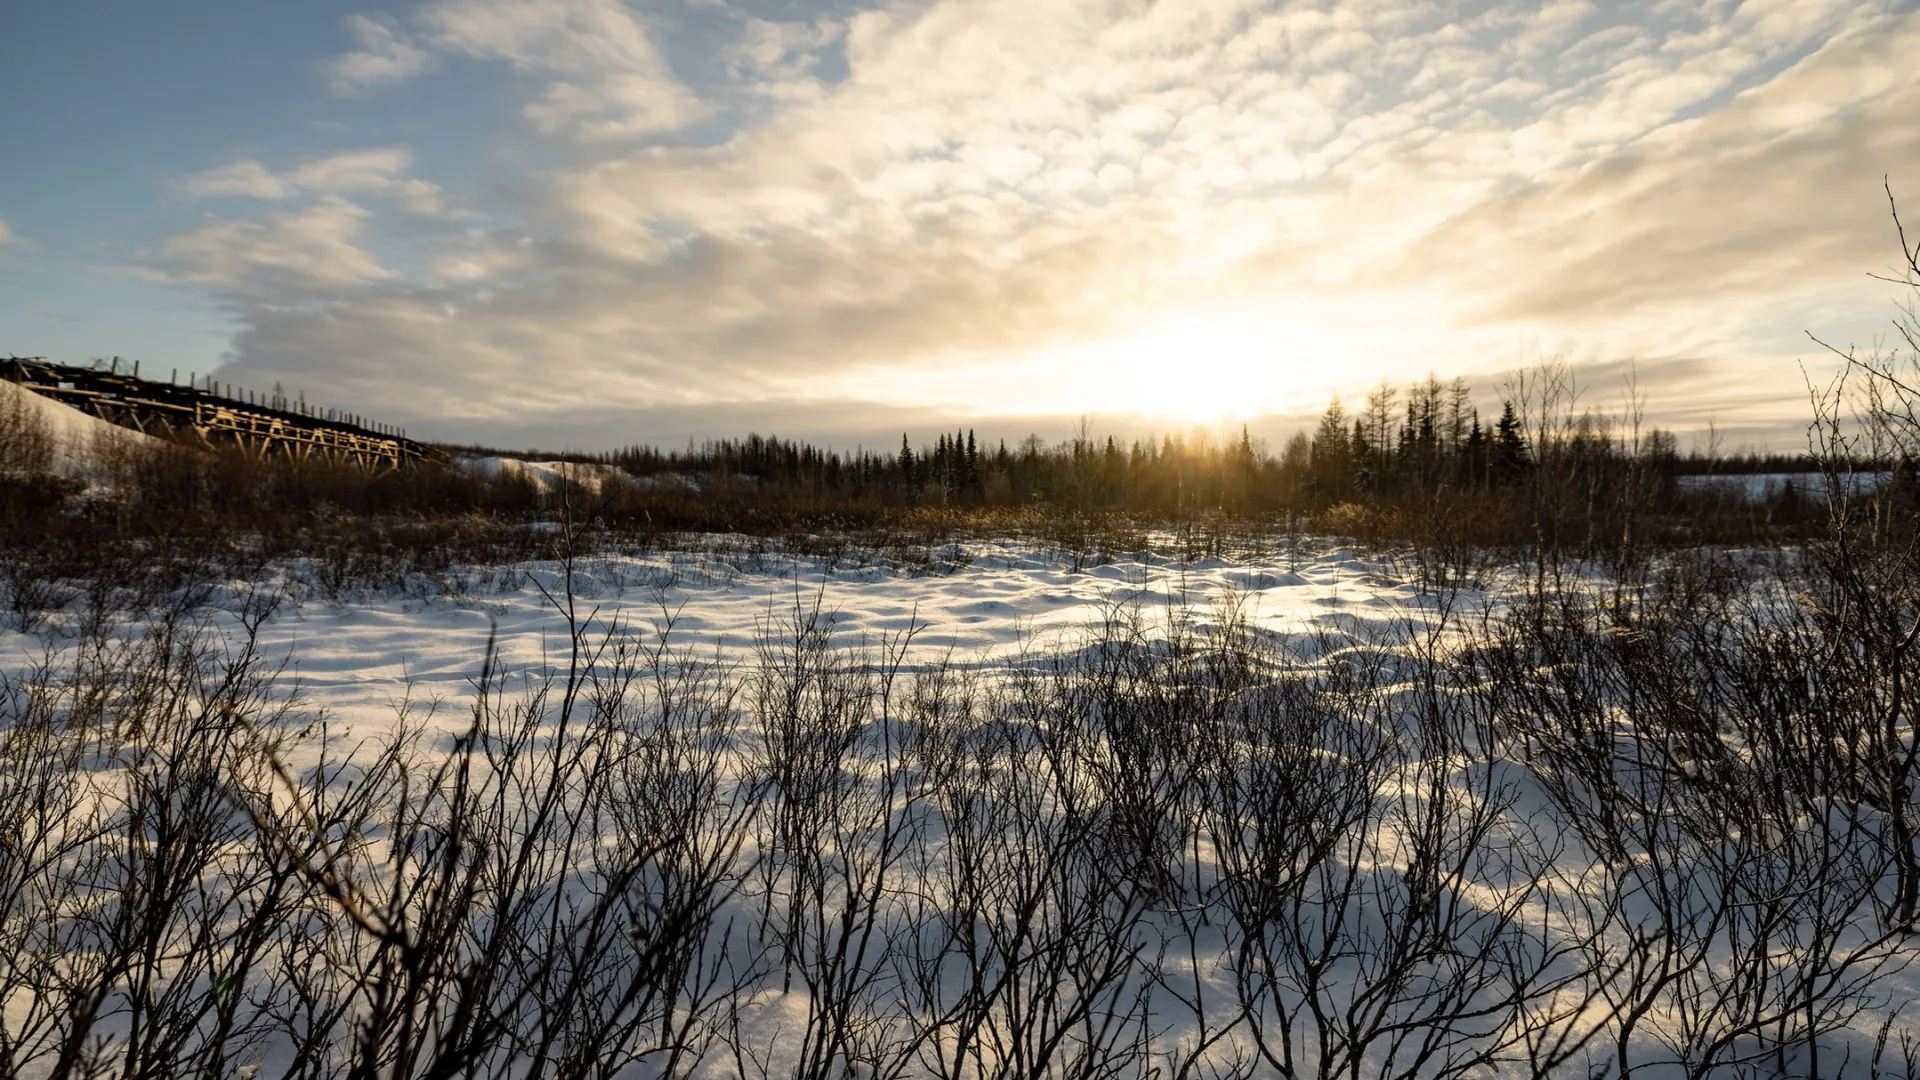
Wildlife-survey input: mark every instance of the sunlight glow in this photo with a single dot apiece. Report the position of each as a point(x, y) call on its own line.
point(1206, 369)
point(1198, 369)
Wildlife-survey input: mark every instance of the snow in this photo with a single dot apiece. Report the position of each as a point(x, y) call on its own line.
point(546, 476)
point(1007, 600)
point(358, 658)
point(985, 607)
point(78, 438)
point(988, 609)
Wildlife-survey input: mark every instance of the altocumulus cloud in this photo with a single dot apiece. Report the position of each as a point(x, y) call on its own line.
point(383, 57)
point(702, 209)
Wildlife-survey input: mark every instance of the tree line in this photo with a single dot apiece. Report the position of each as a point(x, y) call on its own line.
point(1427, 437)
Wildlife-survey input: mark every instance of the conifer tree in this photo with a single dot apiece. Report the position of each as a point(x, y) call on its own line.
point(1330, 438)
point(1509, 445)
point(1476, 452)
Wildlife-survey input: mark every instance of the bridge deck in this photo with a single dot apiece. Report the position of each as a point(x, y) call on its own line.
point(276, 426)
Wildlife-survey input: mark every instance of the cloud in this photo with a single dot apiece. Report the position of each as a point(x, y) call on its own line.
point(298, 253)
point(926, 184)
point(358, 170)
point(1776, 193)
point(242, 179)
point(8, 236)
point(384, 57)
point(378, 171)
point(601, 73)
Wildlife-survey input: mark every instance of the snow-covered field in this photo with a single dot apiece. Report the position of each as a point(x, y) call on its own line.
point(1150, 818)
point(986, 810)
point(1007, 600)
point(983, 811)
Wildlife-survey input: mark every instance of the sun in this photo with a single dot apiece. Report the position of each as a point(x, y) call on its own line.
point(1194, 370)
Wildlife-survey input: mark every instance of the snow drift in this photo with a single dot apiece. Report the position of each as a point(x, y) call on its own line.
point(43, 435)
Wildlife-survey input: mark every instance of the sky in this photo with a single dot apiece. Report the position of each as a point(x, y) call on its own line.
point(579, 224)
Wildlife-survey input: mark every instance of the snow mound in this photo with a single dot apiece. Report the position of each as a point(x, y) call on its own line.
point(546, 476)
point(80, 441)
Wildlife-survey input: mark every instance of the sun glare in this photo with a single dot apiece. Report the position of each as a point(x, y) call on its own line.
point(1196, 370)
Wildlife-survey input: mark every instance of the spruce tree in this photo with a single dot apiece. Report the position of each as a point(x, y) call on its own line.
point(1509, 445)
point(1476, 451)
point(1362, 452)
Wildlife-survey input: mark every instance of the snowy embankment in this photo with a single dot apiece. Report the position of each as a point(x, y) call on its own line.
point(551, 476)
point(77, 445)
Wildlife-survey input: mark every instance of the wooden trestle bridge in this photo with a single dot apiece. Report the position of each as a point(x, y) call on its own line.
point(260, 424)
